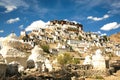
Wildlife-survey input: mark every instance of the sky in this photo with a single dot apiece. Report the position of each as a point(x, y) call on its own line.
point(100, 16)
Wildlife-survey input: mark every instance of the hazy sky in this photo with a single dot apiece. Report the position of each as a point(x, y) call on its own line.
point(101, 16)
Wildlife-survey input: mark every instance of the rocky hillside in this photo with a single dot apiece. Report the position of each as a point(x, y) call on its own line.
point(115, 37)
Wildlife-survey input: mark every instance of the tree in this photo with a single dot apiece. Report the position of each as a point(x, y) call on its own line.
point(105, 38)
point(45, 48)
point(75, 61)
point(64, 58)
point(71, 49)
point(80, 37)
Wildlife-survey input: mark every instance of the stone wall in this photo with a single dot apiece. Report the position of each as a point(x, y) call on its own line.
point(85, 70)
point(90, 73)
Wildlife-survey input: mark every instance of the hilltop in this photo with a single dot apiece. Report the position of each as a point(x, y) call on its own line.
point(61, 43)
point(115, 37)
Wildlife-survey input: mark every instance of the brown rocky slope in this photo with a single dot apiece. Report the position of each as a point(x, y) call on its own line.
point(115, 37)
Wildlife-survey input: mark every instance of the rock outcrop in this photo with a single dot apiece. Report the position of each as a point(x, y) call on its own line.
point(2, 67)
point(12, 69)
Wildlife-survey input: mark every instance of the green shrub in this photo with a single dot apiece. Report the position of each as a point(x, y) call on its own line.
point(75, 61)
point(45, 48)
point(80, 37)
point(64, 58)
point(99, 77)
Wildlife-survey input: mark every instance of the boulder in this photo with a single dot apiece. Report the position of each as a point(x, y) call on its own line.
point(12, 69)
point(30, 64)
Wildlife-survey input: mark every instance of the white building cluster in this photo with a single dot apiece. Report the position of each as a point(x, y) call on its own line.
point(61, 36)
